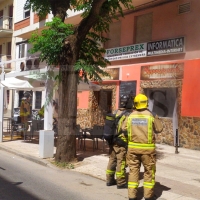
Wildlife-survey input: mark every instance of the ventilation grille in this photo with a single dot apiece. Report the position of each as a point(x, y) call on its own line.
point(184, 8)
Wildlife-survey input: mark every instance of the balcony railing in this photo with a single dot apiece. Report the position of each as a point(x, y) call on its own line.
point(6, 22)
point(4, 58)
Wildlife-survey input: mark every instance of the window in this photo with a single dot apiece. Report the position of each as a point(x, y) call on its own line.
point(22, 50)
point(10, 16)
point(21, 95)
point(26, 13)
point(1, 18)
point(9, 49)
point(184, 8)
point(9, 54)
point(0, 52)
point(114, 35)
point(8, 96)
point(143, 28)
point(38, 99)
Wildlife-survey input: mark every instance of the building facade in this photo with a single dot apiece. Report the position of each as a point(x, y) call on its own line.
point(154, 49)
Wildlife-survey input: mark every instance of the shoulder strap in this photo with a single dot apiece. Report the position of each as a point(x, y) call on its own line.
point(154, 114)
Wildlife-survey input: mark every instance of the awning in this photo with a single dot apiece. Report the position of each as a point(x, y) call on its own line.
point(17, 84)
point(82, 86)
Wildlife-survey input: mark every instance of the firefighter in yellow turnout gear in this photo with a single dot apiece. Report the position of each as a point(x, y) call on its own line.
point(25, 111)
point(117, 152)
point(141, 148)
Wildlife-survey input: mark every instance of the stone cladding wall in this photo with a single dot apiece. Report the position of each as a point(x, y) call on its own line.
point(95, 114)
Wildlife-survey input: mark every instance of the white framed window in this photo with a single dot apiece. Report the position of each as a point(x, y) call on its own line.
point(21, 50)
point(26, 13)
point(38, 100)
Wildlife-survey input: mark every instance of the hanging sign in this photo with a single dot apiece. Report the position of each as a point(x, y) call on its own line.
point(169, 46)
point(126, 52)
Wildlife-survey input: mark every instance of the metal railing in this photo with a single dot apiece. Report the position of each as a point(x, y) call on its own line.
point(6, 22)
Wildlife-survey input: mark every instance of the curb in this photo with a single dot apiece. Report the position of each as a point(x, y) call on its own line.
point(28, 157)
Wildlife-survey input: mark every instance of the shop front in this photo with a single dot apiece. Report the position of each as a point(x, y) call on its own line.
point(94, 105)
point(173, 92)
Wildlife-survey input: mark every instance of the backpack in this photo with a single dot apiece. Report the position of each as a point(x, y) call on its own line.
point(110, 127)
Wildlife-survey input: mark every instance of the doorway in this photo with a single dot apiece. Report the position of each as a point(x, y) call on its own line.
point(101, 105)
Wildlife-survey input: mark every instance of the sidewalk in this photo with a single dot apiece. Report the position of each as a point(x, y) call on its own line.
point(177, 175)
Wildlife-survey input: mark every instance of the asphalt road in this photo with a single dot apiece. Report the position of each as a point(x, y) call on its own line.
point(21, 179)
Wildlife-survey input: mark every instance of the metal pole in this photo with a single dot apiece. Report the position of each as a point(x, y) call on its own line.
point(2, 103)
point(12, 112)
point(176, 145)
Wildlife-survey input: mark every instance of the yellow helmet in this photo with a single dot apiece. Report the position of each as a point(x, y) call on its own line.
point(141, 101)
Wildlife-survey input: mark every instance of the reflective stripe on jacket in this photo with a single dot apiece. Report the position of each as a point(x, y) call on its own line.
point(24, 109)
point(140, 132)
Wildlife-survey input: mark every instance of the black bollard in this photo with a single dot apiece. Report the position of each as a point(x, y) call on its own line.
point(176, 145)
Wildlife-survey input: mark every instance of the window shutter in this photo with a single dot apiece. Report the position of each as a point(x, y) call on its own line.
point(114, 35)
point(144, 28)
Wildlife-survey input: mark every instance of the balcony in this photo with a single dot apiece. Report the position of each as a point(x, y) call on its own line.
point(6, 26)
point(4, 58)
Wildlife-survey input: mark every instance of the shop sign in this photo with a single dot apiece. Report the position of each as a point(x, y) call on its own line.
point(169, 46)
point(169, 71)
point(126, 52)
point(113, 72)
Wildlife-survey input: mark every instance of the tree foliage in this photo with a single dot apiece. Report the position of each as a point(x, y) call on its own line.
point(50, 42)
point(74, 47)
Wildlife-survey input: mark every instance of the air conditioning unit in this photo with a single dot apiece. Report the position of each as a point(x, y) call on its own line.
point(28, 64)
point(36, 63)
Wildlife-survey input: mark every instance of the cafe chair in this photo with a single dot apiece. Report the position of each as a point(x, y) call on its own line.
point(98, 134)
point(36, 126)
point(79, 136)
point(88, 135)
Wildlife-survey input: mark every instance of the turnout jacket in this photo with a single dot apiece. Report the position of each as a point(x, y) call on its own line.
point(140, 128)
point(25, 108)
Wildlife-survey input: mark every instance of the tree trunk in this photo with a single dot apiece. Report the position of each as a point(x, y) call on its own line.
point(66, 144)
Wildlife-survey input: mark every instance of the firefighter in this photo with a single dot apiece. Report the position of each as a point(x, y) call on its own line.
point(117, 151)
point(141, 148)
point(25, 111)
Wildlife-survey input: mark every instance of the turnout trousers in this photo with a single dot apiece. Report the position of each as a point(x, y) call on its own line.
point(116, 164)
point(134, 162)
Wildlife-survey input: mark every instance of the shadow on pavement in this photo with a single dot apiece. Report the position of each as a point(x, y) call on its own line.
point(10, 190)
point(160, 188)
point(103, 149)
point(159, 155)
point(158, 191)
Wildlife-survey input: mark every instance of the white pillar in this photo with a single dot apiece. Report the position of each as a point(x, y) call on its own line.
point(46, 138)
point(33, 100)
point(43, 97)
point(46, 144)
point(48, 109)
point(16, 102)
